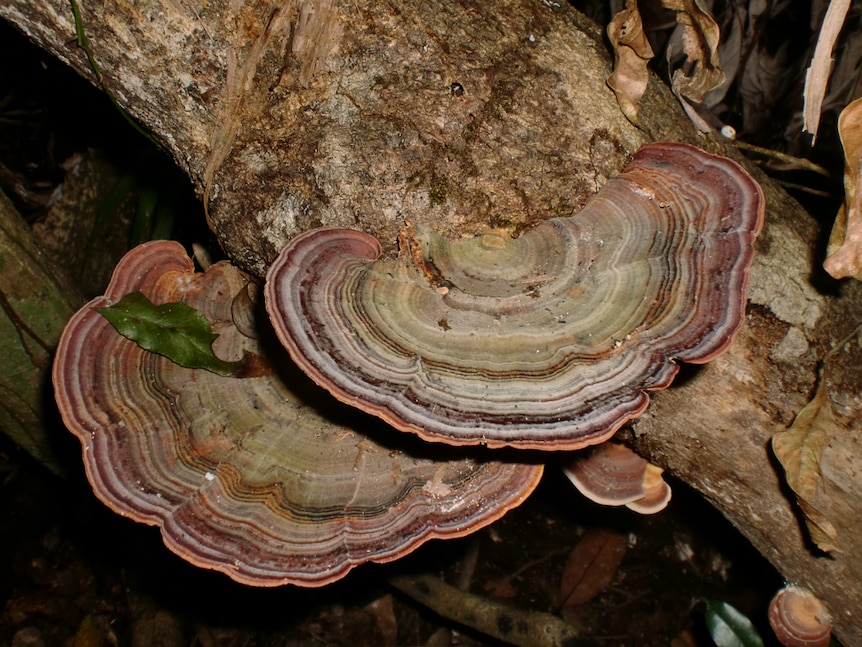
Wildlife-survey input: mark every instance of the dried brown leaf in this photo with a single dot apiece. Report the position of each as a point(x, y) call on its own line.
point(845, 81)
point(383, 612)
point(501, 588)
point(632, 52)
point(817, 74)
point(844, 252)
point(591, 566)
point(699, 43)
point(799, 449)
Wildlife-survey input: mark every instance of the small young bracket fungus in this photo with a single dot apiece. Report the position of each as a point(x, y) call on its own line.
point(550, 340)
point(242, 475)
point(799, 619)
point(612, 474)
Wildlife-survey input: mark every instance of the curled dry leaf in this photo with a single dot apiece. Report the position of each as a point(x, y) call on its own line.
point(591, 566)
point(245, 476)
point(817, 74)
point(844, 253)
point(799, 450)
point(632, 53)
point(698, 42)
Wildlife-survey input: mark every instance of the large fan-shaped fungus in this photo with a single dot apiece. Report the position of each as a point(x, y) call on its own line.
point(240, 474)
point(549, 340)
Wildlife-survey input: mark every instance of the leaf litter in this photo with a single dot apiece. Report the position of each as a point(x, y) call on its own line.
point(632, 53)
point(591, 566)
point(817, 74)
point(692, 55)
point(844, 252)
point(800, 450)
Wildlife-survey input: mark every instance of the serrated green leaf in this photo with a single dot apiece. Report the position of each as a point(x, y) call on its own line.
point(729, 627)
point(174, 330)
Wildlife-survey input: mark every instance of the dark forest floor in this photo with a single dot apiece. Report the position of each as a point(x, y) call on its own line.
point(74, 573)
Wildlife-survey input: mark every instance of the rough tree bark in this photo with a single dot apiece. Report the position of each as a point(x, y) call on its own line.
point(289, 115)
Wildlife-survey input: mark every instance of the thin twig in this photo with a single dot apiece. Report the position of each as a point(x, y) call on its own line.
point(841, 344)
point(495, 619)
point(793, 186)
point(799, 162)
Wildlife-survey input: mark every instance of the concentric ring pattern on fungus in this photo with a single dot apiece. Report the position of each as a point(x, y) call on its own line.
point(548, 340)
point(245, 476)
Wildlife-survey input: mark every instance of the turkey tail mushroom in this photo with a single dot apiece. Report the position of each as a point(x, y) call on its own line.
point(612, 474)
point(799, 619)
point(547, 341)
point(246, 476)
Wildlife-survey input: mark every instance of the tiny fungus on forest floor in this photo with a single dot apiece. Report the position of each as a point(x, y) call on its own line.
point(547, 341)
point(798, 619)
point(245, 476)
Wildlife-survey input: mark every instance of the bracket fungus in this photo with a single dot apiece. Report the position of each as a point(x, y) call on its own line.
point(242, 475)
point(612, 474)
point(549, 340)
point(798, 619)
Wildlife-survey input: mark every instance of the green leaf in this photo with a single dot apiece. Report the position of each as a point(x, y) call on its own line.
point(175, 330)
point(729, 627)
